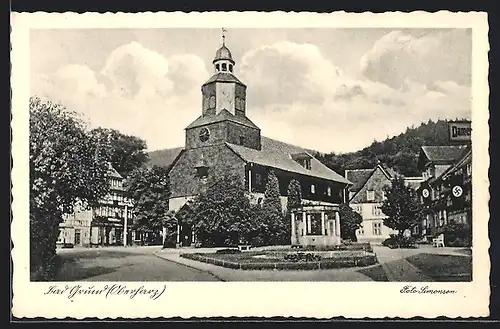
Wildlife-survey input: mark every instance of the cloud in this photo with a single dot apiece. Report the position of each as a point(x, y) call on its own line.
point(399, 56)
point(295, 94)
point(138, 91)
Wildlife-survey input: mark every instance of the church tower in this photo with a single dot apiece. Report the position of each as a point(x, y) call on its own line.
point(223, 117)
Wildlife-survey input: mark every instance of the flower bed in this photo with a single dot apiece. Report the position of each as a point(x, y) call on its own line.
point(282, 260)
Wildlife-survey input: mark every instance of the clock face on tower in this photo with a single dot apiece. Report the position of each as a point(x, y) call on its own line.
point(204, 134)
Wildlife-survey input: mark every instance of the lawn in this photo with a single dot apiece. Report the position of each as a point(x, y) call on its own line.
point(444, 268)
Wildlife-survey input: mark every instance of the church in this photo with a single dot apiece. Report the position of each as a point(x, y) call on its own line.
point(224, 138)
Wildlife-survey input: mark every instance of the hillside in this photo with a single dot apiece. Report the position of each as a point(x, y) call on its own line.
point(399, 152)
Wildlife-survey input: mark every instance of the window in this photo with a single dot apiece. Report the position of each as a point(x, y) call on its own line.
point(307, 164)
point(329, 191)
point(258, 180)
point(376, 210)
point(469, 169)
point(315, 224)
point(217, 67)
point(377, 228)
point(230, 67)
point(361, 230)
point(259, 201)
point(202, 172)
point(370, 195)
point(384, 197)
point(313, 189)
point(242, 140)
point(224, 67)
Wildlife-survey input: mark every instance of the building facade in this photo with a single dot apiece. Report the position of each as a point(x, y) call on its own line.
point(447, 193)
point(366, 197)
point(103, 224)
point(224, 139)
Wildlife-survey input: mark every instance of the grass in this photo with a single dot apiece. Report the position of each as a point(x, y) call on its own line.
point(444, 268)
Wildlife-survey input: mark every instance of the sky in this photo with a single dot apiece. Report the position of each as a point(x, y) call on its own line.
point(332, 90)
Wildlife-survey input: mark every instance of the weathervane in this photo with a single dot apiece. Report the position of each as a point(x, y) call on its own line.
point(223, 36)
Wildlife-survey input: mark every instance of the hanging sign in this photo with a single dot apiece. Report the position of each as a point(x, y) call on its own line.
point(460, 131)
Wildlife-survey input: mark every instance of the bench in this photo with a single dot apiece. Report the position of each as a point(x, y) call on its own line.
point(438, 241)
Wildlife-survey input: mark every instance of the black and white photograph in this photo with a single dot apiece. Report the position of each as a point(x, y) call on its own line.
point(226, 153)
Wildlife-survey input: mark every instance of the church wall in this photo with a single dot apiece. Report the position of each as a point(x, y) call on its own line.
point(225, 95)
point(218, 132)
point(183, 179)
point(251, 136)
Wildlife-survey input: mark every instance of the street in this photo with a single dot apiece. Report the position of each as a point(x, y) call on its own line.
point(124, 264)
point(424, 264)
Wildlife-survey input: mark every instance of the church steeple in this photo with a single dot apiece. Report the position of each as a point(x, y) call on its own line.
point(223, 61)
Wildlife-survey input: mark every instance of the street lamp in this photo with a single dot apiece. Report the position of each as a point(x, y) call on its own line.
point(125, 222)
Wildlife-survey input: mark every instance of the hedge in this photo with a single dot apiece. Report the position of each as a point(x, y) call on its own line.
point(360, 261)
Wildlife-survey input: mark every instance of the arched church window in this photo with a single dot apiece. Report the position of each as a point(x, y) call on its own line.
point(212, 102)
point(230, 67)
point(224, 67)
point(217, 67)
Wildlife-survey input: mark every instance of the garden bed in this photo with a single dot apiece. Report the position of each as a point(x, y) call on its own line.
point(275, 260)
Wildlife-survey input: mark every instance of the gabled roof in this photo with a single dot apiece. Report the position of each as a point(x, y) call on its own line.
point(223, 115)
point(358, 177)
point(277, 155)
point(464, 158)
point(224, 77)
point(164, 157)
point(439, 154)
point(112, 172)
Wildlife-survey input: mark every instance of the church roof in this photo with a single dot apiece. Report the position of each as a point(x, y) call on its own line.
point(223, 53)
point(224, 77)
point(278, 155)
point(222, 116)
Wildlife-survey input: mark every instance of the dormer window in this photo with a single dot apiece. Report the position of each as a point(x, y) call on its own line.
point(303, 159)
point(224, 67)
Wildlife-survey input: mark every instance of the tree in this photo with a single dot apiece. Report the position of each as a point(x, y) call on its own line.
point(67, 170)
point(221, 213)
point(402, 206)
point(272, 212)
point(294, 198)
point(169, 230)
point(150, 190)
point(126, 153)
point(350, 221)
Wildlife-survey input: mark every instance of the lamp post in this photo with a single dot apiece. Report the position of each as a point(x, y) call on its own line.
point(125, 223)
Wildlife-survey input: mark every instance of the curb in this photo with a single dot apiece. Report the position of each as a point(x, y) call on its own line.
point(191, 267)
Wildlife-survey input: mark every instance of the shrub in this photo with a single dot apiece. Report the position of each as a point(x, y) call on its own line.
point(228, 251)
point(399, 241)
point(457, 235)
point(169, 244)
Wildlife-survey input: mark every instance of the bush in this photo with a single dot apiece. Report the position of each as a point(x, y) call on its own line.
point(357, 261)
point(169, 244)
point(228, 251)
point(457, 235)
point(399, 241)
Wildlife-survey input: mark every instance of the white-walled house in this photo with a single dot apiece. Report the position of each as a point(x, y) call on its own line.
point(366, 196)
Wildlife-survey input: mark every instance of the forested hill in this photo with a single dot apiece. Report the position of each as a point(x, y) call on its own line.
point(399, 152)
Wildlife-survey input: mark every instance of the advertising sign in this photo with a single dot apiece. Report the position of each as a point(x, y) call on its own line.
point(460, 131)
